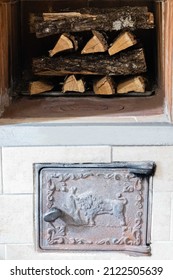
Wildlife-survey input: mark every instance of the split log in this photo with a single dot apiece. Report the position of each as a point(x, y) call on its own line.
point(37, 87)
point(61, 15)
point(122, 42)
point(136, 84)
point(72, 84)
point(96, 44)
point(129, 63)
point(92, 19)
point(105, 86)
point(65, 42)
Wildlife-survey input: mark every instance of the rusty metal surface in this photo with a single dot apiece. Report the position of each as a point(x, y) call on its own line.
point(94, 206)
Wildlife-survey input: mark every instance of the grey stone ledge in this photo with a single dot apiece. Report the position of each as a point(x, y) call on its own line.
point(87, 134)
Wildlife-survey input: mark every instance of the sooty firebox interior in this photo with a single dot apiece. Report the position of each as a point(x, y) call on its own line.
point(84, 58)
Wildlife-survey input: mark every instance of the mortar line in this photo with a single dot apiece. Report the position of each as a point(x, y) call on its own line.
point(2, 187)
point(171, 218)
point(111, 153)
point(5, 255)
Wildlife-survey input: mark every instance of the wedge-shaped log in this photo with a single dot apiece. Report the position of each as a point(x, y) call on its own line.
point(72, 84)
point(37, 87)
point(65, 42)
point(122, 42)
point(135, 84)
point(92, 19)
point(96, 44)
point(104, 86)
point(132, 62)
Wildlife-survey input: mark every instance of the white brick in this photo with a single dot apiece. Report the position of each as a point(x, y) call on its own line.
point(2, 252)
point(163, 156)
point(17, 162)
point(161, 216)
point(16, 219)
point(0, 171)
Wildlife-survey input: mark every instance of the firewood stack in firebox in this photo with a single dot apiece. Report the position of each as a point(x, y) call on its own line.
point(96, 50)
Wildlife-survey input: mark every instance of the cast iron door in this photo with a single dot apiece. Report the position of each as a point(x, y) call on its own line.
point(94, 206)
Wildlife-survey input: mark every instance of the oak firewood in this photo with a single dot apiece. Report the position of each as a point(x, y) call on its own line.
point(122, 42)
point(119, 18)
point(129, 63)
point(72, 84)
point(136, 84)
point(37, 87)
point(96, 44)
point(105, 86)
point(65, 42)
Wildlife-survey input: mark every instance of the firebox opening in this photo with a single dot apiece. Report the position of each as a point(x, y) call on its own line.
point(45, 85)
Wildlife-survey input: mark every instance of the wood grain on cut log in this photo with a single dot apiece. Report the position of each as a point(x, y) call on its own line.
point(135, 84)
point(37, 87)
point(61, 15)
point(122, 42)
point(104, 86)
point(64, 43)
point(92, 19)
point(96, 44)
point(131, 62)
point(72, 84)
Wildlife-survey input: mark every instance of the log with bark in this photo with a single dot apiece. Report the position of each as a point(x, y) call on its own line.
point(65, 42)
point(92, 19)
point(104, 86)
point(135, 84)
point(96, 44)
point(73, 84)
point(131, 62)
point(122, 42)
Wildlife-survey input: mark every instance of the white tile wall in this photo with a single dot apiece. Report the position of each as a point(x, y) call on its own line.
point(16, 219)
point(2, 252)
point(163, 156)
point(16, 203)
point(17, 162)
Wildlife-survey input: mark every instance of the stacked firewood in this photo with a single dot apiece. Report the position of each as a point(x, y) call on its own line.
point(103, 60)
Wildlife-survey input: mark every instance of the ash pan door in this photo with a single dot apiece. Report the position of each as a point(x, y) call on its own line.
point(94, 207)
